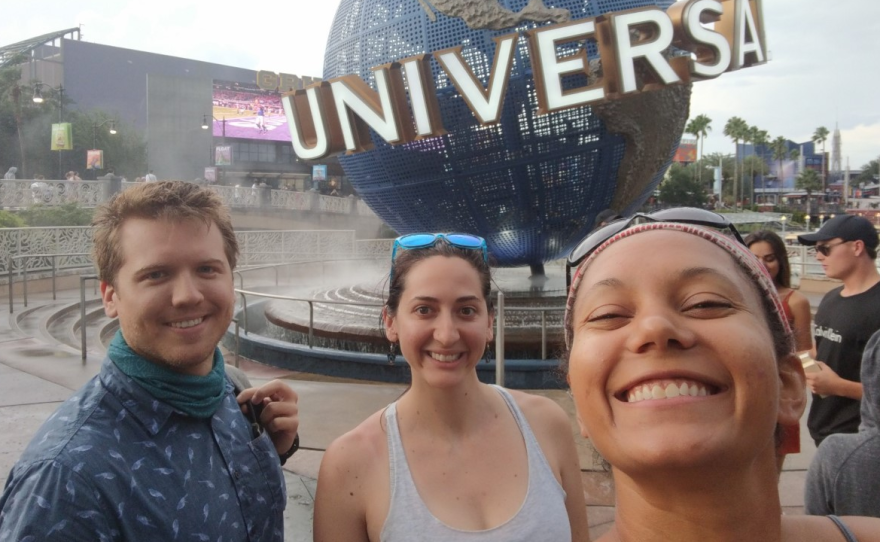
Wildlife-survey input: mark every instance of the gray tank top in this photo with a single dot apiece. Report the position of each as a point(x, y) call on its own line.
point(542, 515)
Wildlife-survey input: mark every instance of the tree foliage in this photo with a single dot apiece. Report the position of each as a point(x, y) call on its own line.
point(738, 130)
point(680, 188)
point(820, 136)
point(699, 127)
point(868, 171)
point(11, 220)
point(809, 181)
point(26, 128)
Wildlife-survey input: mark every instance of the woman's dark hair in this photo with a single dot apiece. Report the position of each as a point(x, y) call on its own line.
point(783, 278)
point(407, 258)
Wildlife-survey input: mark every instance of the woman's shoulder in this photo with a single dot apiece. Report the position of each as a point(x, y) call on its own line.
point(360, 448)
point(798, 299)
point(821, 528)
point(540, 411)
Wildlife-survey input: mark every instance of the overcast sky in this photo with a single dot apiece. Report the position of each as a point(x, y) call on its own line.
point(824, 68)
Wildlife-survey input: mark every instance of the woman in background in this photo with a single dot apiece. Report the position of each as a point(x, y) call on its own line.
point(770, 249)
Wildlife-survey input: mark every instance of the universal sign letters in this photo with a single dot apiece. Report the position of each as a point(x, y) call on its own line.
point(334, 116)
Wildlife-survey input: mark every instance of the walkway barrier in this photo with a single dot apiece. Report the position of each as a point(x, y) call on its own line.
point(24, 272)
point(20, 194)
point(82, 312)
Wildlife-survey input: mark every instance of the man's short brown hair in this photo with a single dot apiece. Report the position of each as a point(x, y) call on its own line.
point(167, 200)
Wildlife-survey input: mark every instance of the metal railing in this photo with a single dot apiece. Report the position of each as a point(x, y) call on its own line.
point(82, 312)
point(500, 322)
point(23, 271)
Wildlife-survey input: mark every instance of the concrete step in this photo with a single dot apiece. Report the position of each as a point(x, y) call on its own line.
point(64, 325)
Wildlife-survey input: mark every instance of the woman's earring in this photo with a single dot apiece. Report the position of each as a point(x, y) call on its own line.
point(487, 353)
point(392, 353)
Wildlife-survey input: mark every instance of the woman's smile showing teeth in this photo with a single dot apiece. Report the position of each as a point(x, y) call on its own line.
point(445, 357)
point(667, 389)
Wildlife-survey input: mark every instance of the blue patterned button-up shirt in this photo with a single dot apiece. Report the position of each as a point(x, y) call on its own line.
point(113, 463)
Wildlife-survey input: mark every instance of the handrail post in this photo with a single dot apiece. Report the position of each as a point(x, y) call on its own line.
point(24, 281)
point(499, 341)
point(237, 341)
point(10, 284)
point(244, 312)
point(543, 335)
point(311, 324)
point(53, 278)
point(82, 315)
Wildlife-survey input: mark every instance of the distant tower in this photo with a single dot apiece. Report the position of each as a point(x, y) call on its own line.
point(836, 168)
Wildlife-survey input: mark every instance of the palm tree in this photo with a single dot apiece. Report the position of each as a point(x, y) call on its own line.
point(810, 181)
point(779, 147)
point(820, 136)
point(760, 138)
point(735, 129)
point(700, 126)
point(794, 154)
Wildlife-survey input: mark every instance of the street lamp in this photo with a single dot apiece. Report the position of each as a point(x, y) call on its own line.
point(205, 124)
point(821, 219)
point(783, 224)
point(212, 159)
point(807, 220)
point(95, 127)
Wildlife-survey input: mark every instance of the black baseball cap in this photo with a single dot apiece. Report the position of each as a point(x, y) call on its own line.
point(846, 227)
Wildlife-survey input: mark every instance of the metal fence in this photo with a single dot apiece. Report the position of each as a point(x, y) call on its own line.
point(38, 250)
point(19, 194)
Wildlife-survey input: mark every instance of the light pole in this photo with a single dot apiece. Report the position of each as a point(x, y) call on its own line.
point(205, 124)
point(783, 225)
point(807, 220)
point(821, 219)
point(95, 127)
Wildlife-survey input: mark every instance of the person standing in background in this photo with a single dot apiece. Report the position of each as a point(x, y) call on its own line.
point(846, 246)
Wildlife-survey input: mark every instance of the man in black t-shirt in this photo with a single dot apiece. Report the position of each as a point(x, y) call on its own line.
point(846, 246)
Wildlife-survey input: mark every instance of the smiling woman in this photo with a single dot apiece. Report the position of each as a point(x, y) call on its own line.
point(681, 377)
point(452, 459)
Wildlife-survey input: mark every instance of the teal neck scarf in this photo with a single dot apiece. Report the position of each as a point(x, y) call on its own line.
point(196, 396)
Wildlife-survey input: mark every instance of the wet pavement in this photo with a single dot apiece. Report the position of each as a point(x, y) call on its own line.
point(36, 375)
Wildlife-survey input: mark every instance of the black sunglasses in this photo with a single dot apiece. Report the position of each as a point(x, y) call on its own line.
point(682, 215)
point(825, 250)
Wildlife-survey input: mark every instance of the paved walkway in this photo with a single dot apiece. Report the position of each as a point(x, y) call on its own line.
point(36, 376)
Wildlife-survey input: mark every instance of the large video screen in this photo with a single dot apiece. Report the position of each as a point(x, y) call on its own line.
point(249, 112)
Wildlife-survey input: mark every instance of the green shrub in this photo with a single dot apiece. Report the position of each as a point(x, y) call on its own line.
point(10, 220)
point(68, 214)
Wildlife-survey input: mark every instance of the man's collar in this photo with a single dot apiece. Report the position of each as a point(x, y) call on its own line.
point(150, 412)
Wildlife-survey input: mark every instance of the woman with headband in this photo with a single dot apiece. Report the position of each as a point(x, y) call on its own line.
point(452, 459)
point(681, 365)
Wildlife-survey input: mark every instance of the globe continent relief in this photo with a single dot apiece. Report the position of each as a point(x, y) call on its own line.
point(531, 184)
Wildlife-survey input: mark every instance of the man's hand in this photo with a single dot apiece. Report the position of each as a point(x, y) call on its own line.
point(824, 382)
point(280, 414)
point(827, 382)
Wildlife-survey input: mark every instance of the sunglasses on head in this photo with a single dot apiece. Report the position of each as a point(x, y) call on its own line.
point(683, 215)
point(415, 241)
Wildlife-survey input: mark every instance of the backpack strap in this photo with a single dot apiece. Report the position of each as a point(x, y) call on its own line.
point(239, 380)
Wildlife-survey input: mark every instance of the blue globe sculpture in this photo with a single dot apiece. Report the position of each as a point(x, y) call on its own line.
point(532, 184)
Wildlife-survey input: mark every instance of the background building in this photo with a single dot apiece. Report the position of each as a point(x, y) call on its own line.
point(168, 100)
